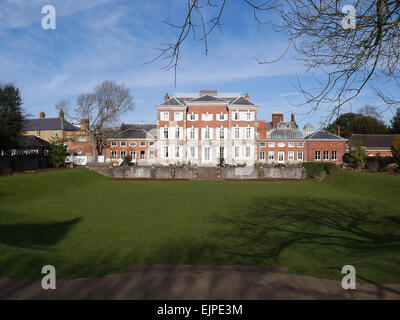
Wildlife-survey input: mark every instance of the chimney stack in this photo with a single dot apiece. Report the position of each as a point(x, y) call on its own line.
point(166, 97)
point(247, 96)
point(42, 115)
point(338, 130)
point(277, 117)
point(84, 124)
point(61, 114)
point(292, 117)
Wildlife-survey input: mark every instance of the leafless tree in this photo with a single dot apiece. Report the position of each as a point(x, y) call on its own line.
point(346, 59)
point(99, 110)
point(370, 111)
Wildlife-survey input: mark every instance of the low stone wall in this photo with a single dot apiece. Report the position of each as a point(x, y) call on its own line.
point(206, 173)
point(283, 173)
point(244, 173)
point(174, 173)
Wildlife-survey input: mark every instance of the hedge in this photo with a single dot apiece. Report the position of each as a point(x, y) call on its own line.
point(318, 170)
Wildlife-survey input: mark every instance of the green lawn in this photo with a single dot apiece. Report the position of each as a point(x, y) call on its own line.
point(86, 225)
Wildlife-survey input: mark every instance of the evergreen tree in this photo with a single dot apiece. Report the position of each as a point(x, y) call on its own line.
point(395, 123)
point(11, 120)
point(58, 153)
point(351, 123)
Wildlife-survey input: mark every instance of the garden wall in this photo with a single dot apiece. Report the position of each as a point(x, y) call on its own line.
point(200, 173)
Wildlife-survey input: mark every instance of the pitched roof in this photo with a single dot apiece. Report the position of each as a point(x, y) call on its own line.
point(242, 101)
point(374, 140)
point(132, 134)
point(285, 134)
point(172, 102)
point(49, 124)
point(146, 127)
point(34, 142)
point(323, 135)
point(207, 98)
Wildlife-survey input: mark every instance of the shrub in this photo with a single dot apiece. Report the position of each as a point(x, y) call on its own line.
point(58, 153)
point(396, 150)
point(127, 161)
point(319, 170)
point(357, 155)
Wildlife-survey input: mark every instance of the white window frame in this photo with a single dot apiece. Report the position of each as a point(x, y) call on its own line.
point(114, 143)
point(236, 152)
point(142, 143)
point(221, 117)
point(317, 155)
point(207, 133)
point(237, 133)
point(271, 155)
point(334, 155)
point(221, 134)
point(281, 153)
point(122, 143)
point(248, 133)
point(290, 155)
point(114, 154)
point(165, 133)
point(207, 117)
point(271, 144)
point(192, 153)
point(140, 155)
point(177, 133)
point(326, 152)
point(192, 117)
point(178, 116)
point(262, 144)
point(122, 154)
point(300, 144)
point(166, 152)
point(262, 155)
point(291, 144)
point(164, 116)
point(247, 154)
point(133, 155)
point(207, 153)
point(302, 155)
point(192, 134)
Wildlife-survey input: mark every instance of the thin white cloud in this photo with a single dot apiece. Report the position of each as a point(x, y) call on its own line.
point(57, 80)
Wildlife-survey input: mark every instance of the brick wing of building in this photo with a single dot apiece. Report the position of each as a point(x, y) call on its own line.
point(137, 141)
point(281, 142)
point(375, 143)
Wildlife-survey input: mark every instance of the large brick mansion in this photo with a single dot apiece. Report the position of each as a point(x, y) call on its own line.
point(205, 127)
point(201, 129)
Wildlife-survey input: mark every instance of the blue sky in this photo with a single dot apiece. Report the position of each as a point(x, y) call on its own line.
point(99, 40)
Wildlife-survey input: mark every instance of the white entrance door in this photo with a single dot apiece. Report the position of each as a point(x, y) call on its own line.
point(281, 156)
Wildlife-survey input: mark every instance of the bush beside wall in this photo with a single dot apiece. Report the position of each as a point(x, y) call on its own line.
point(319, 170)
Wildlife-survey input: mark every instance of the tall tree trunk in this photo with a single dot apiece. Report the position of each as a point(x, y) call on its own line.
point(93, 141)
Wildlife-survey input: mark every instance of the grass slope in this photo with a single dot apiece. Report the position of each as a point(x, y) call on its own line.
point(86, 225)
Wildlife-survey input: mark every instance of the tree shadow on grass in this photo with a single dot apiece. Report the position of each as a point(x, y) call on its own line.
point(314, 237)
point(34, 235)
